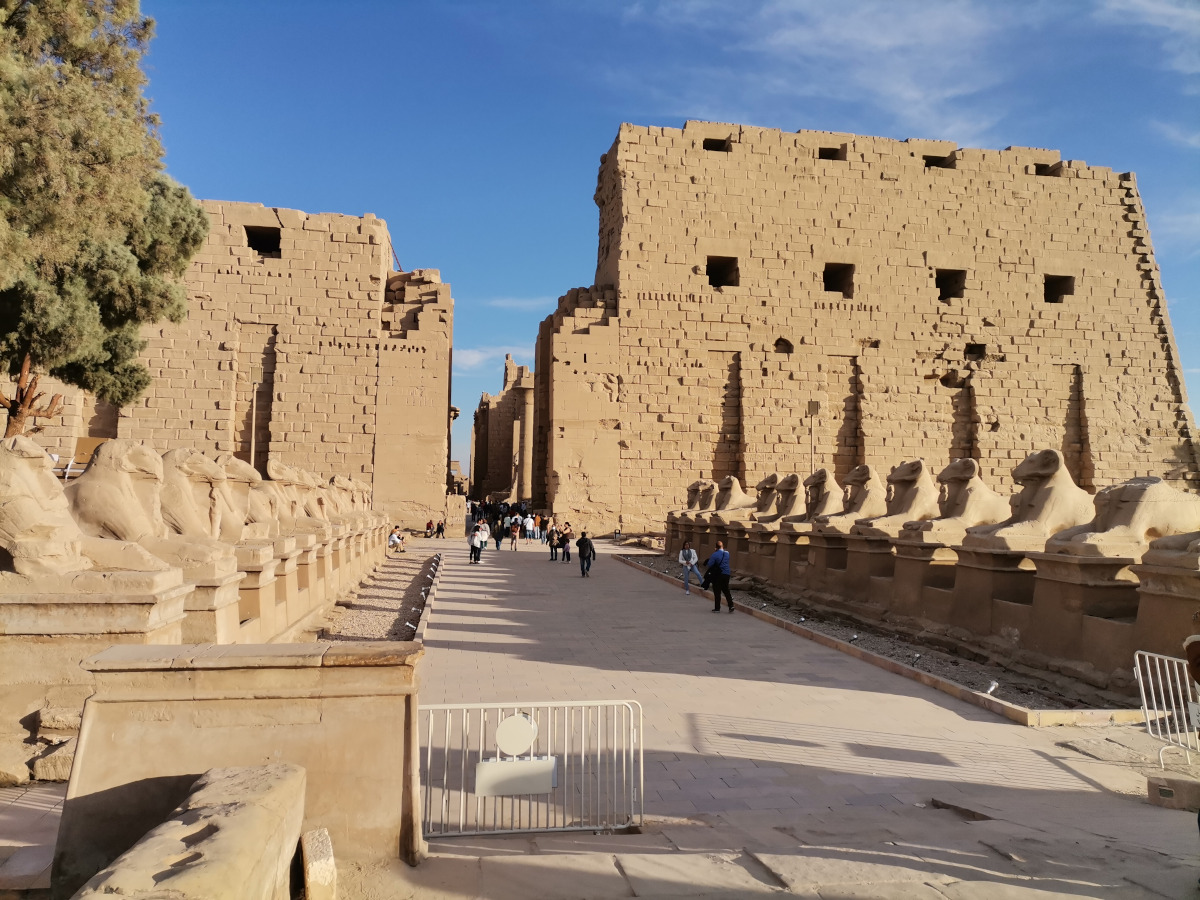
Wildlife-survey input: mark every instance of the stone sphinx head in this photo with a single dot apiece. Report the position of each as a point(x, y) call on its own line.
point(37, 532)
point(766, 491)
point(911, 491)
point(964, 501)
point(235, 497)
point(707, 497)
point(822, 496)
point(912, 497)
point(864, 497)
point(1049, 502)
point(191, 494)
point(119, 493)
point(731, 496)
point(1128, 517)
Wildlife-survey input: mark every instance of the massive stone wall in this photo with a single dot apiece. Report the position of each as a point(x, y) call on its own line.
point(300, 345)
point(928, 301)
point(502, 438)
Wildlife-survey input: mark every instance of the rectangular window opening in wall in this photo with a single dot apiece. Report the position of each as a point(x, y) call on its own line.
point(719, 145)
point(832, 152)
point(1058, 287)
point(723, 271)
point(975, 352)
point(839, 278)
point(1048, 170)
point(263, 240)
point(939, 162)
point(950, 283)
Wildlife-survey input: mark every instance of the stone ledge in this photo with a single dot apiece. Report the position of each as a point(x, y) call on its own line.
point(137, 657)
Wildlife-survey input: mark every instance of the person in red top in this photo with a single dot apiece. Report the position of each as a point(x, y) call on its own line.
point(514, 531)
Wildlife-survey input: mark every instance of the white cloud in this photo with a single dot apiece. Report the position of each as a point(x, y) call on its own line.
point(1177, 135)
point(917, 64)
point(467, 359)
point(524, 304)
point(1179, 19)
point(1177, 228)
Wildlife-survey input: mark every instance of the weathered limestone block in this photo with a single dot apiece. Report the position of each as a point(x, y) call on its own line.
point(320, 866)
point(238, 826)
point(1049, 502)
point(912, 497)
point(336, 710)
point(865, 498)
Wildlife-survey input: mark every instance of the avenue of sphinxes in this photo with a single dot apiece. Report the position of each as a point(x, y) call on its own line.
point(769, 301)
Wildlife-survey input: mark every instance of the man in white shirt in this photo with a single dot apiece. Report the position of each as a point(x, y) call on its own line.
point(527, 527)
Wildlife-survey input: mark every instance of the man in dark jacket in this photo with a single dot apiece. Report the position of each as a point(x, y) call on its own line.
point(718, 573)
point(587, 552)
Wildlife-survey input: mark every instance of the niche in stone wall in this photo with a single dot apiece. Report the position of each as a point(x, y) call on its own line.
point(726, 377)
point(263, 240)
point(254, 392)
point(845, 383)
point(838, 278)
point(1076, 446)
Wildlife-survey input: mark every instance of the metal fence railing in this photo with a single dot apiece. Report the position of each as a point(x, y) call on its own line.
point(495, 768)
point(1169, 702)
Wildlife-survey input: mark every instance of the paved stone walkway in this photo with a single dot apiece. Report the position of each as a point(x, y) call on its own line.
point(773, 765)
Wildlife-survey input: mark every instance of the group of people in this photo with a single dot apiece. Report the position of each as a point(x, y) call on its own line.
point(495, 522)
point(716, 575)
point(431, 531)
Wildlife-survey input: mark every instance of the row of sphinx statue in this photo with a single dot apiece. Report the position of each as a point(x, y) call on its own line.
point(135, 510)
point(1050, 512)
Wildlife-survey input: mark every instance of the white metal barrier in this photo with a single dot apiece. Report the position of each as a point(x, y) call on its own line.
point(496, 768)
point(1169, 702)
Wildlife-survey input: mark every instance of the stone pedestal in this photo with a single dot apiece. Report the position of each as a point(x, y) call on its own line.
point(761, 542)
point(44, 635)
point(791, 554)
point(256, 593)
point(1069, 589)
point(869, 568)
point(1168, 607)
point(738, 545)
point(923, 580)
point(159, 719)
point(826, 568)
point(674, 540)
point(983, 576)
point(704, 537)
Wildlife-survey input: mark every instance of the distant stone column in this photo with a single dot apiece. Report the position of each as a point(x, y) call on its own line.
point(525, 470)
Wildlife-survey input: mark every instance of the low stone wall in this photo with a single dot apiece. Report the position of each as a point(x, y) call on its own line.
point(238, 826)
point(1083, 616)
point(160, 717)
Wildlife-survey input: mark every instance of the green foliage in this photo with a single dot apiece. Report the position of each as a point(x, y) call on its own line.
point(94, 238)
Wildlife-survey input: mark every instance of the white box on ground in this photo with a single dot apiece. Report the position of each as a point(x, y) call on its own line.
point(510, 777)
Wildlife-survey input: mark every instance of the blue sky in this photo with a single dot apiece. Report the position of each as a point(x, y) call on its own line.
point(475, 128)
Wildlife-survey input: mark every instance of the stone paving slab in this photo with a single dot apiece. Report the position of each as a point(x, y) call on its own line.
point(29, 817)
point(802, 769)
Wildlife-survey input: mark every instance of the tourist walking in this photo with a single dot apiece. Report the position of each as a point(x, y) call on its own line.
point(514, 532)
point(476, 542)
point(564, 541)
point(527, 525)
point(718, 573)
point(587, 552)
point(552, 540)
point(498, 535)
point(689, 560)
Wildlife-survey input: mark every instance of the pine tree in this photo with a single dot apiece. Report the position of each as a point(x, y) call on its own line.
point(94, 237)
